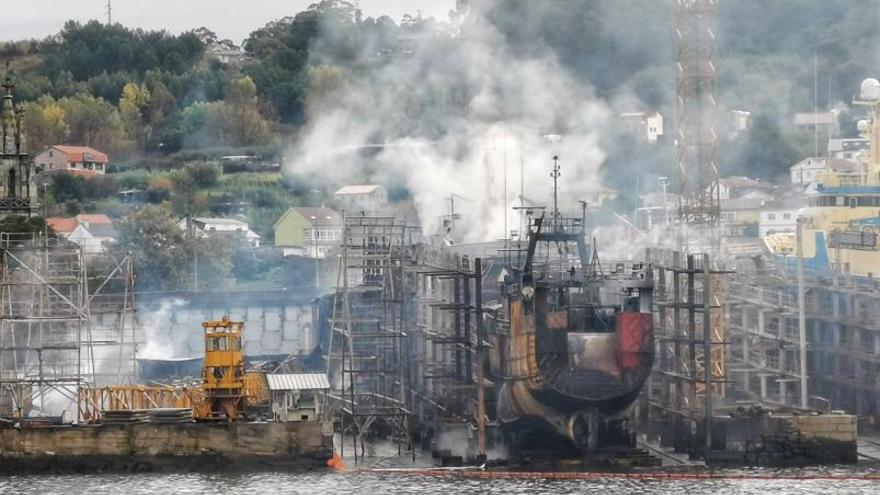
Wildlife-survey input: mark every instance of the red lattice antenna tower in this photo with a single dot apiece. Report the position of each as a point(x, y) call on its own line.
point(700, 202)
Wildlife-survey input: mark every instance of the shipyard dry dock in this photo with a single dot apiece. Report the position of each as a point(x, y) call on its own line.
point(148, 447)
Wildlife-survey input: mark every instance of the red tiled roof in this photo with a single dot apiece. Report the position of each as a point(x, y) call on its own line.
point(94, 219)
point(82, 154)
point(62, 225)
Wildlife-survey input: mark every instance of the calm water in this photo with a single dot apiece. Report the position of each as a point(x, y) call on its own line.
point(372, 484)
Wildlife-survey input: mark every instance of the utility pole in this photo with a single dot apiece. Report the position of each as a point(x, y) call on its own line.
point(481, 359)
point(707, 352)
point(191, 236)
point(315, 234)
point(663, 181)
point(109, 12)
point(522, 192)
point(506, 233)
point(802, 319)
point(816, 104)
point(45, 214)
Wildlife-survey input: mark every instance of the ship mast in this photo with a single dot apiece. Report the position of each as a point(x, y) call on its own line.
point(555, 174)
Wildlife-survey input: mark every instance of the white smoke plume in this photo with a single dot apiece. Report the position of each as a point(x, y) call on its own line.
point(451, 116)
point(161, 341)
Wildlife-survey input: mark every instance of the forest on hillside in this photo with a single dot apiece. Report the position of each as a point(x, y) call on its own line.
point(165, 106)
point(134, 91)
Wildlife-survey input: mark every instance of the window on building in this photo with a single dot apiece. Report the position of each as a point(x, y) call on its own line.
point(771, 216)
point(786, 216)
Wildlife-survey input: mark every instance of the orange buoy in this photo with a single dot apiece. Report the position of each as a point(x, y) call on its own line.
point(336, 462)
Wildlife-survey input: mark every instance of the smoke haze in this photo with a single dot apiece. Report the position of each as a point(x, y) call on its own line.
point(451, 113)
point(161, 342)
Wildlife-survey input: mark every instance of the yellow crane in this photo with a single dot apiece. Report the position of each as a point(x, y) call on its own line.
point(223, 375)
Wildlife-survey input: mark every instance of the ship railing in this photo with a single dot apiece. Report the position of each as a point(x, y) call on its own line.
point(854, 239)
point(565, 225)
point(564, 270)
point(429, 256)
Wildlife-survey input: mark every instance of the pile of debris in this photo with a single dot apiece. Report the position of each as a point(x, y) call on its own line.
point(154, 416)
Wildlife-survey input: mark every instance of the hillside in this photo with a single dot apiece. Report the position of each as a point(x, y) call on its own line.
point(160, 102)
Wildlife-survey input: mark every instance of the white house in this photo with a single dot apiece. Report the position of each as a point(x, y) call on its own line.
point(848, 148)
point(648, 126)
point(235, 57)
point(807, 170)
point(777, 218)
point(77, 159)
point(810, 170)
point(741, 211)
point(826, 122)
point(740, 120)
point(209, 227)
point(362, 197)
point(738, 186)
point(91, 231)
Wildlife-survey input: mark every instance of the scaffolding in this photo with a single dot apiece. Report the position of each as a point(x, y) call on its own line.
point(841, 314)
point(112, 310)
point(44, 322)
point(689, 377)
point(449, 343)
point(405, 351)
point(764, 340)
point(368, 364)
point(49, 349)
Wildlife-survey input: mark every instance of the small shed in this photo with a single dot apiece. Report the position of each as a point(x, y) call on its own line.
point(297, 397)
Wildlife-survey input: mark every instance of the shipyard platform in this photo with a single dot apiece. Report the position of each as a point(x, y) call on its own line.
point(240, 446)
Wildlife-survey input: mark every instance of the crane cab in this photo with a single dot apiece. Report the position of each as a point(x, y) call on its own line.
point(223, 375)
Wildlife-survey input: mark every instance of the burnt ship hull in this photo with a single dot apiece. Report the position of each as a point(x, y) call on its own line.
point(580, 393)
point(573, 348)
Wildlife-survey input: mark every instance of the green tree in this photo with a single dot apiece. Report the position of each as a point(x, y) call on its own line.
point(93, 122)
point(250, 127)
point(213, 260)
point(202, 174)
point(234, 122)
point(66, 187)
point(166, 258)
point(87, 50)
point(45, 123)
point(161, 253)
point(283, 51)
point(134, 101)
point(324, 82)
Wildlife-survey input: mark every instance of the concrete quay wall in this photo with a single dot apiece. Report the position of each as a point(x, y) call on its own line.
point(790, 440)
point(146, 447)
point(839, 427)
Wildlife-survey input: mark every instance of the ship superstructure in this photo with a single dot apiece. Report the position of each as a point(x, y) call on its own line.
point(841, 221)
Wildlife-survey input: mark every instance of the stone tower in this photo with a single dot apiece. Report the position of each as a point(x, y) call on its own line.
point(17, 191)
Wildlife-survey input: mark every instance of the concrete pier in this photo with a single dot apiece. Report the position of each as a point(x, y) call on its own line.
point(148, 447)
point(788, 440)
